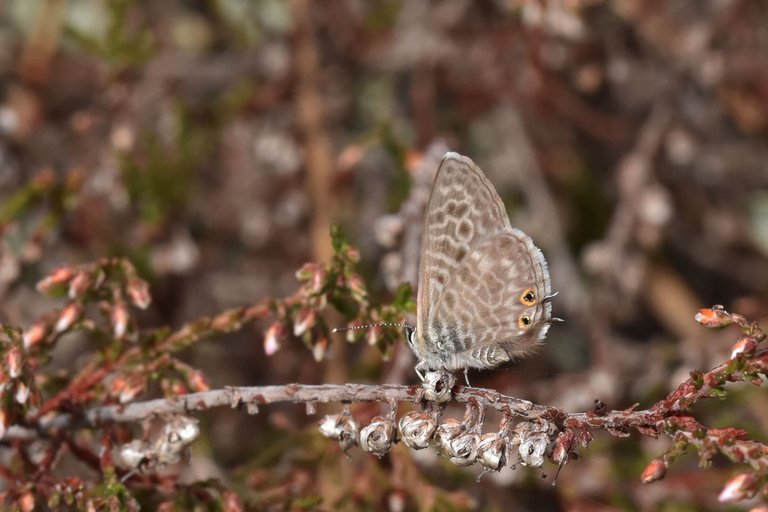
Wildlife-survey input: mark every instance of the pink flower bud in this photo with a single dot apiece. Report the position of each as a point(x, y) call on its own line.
point(319, 348)
point(34, 335)
point(272, 338)
point(3, 423)
point(138, 291)
point(306, 272)
point(119, 319)
point(79, 284)
point(372, 336)
point(58, 277)
point(740, 487)
point(22, 393)
point(67, 317)
point(318, 280)
point(27, 502)
point(656, 470)
point(305, 320)
point(198, 382)
point(14, 360)
point(746, 345)
point(713, 317)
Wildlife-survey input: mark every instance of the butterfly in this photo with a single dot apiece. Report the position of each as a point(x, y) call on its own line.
point(484, 290)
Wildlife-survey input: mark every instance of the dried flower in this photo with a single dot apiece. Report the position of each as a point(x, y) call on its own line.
point(342, 427)
point(563, 447)
point(532, 449)
point(740, 487)
point(462, 450)
point(132, 455)
point(416, 429)
point(491, 451)
point(377, 437)
point(438, 386)
point(447, 430)
point(185, 427)
point(456, 443)
point(330, 426)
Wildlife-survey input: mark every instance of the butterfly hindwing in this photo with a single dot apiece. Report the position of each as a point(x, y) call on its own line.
point(493, 308)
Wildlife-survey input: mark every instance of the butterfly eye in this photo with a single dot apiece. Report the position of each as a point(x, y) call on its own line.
point(528, 297)
point(524, 321)
point(410, 335)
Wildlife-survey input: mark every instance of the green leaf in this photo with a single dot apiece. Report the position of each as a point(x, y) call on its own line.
point(403, 300)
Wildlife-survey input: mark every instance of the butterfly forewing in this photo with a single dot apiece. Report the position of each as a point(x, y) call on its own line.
point(463, 209)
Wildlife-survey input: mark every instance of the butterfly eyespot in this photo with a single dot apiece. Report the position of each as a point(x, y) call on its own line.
point(528, 297)
point(524, 321)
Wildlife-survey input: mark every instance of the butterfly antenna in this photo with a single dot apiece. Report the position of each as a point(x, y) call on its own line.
point(368, 326)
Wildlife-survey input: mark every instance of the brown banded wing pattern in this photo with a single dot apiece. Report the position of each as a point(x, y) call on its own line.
point(483, 290)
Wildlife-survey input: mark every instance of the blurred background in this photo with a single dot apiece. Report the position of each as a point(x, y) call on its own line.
point(214, 143)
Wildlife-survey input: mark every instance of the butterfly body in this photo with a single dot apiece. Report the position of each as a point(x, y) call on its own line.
point(484, 287)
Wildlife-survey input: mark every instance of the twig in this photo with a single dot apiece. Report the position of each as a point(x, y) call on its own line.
point(251, 397)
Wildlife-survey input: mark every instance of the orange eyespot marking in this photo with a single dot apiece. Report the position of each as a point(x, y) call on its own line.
point(528, 297)
point(524, 321)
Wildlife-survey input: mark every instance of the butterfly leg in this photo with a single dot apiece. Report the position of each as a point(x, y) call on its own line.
point(421, 369)
point(466, 376)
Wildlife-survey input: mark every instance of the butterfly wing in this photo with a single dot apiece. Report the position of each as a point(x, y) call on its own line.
point(494, 308)
point(462, 210)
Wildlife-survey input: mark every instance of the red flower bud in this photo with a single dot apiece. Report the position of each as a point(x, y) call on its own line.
point(654, 471)
point(713, 317)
